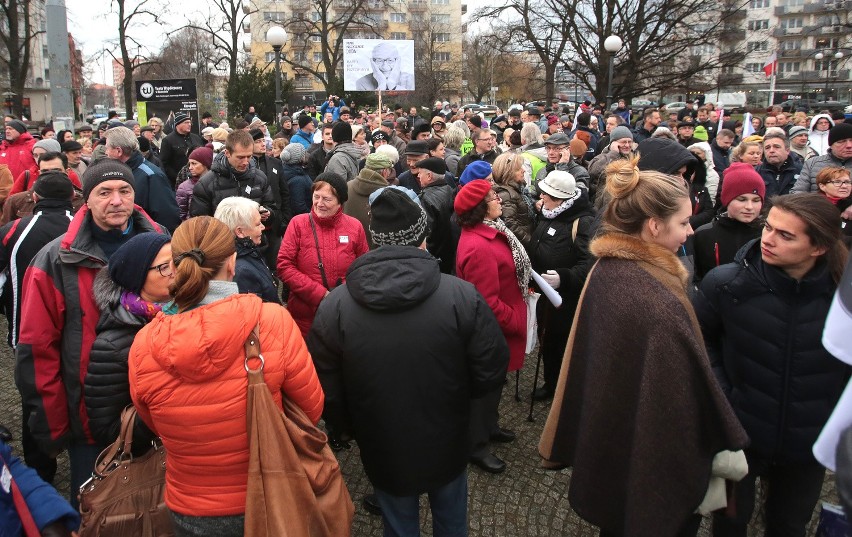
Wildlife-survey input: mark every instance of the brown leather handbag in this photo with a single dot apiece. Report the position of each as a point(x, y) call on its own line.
point(124, 496)
point(295, 488)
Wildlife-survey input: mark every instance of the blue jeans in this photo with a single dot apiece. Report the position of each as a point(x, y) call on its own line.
point(401, 514)
point(81, 459)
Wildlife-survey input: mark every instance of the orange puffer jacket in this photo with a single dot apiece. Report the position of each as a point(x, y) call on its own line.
point(188, 383)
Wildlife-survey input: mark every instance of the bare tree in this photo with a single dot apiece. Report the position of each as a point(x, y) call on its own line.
point(132, 14)
point(485, 66)
point(16, 37)
point(223, 24)
point(437, 64)
point(661, 39)
point(327, 23)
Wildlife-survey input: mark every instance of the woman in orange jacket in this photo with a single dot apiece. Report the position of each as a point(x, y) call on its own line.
point(188, 380)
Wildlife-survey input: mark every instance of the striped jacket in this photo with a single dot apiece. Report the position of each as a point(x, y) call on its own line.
point(58, 320)
point(20, 241)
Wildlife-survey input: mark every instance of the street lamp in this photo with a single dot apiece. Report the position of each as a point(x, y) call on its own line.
point(612, 44)
point(277, 36)
point(819, 56)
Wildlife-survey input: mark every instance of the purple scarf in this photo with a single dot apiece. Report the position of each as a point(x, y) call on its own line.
point(139, 306)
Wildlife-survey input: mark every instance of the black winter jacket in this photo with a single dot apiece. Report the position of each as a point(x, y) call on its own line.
point(175, 150)
point(273, 168)
point(718, 242)
point(107, 389)
point(252, 273)
point(763, 332)
point(437, 200)
point(299, 185)
point(780, 180)
point(221, 182)
point(400, 349)
point(473, 156)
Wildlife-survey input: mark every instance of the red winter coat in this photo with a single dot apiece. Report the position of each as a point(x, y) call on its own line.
point(18, 154)
point(484, 259)
point(188, 383)
point(341, 239)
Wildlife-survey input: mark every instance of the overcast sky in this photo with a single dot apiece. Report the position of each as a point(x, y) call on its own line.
point(97, 31)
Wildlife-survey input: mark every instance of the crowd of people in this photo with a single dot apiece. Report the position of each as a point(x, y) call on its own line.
point(388, 262)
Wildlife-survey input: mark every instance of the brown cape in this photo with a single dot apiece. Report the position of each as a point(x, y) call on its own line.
point(638, 413)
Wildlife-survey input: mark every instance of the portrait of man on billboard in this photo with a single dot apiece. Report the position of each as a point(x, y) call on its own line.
point(387, 71)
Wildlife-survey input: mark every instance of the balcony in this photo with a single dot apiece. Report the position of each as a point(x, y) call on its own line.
point(417, 6)
point(782, 32)
point(300, 5)
point(732, 14)
point(788, 10)
point(246, 46)
point(246, 27)
point(733, 35)
point(791, 53)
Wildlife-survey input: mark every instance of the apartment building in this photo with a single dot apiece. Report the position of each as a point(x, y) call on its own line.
point(434, 25)
point(809, 38)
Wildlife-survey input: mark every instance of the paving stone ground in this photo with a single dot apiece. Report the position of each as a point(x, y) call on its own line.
point(524, 501)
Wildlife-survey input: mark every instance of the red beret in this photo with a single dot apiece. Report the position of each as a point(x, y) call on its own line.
point(470, 195)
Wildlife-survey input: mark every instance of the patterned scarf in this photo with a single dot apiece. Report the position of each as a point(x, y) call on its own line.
point(564, 206)
point(523, 268)
point(139, 306)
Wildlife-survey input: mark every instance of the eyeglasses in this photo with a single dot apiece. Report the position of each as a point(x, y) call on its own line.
point(840, 183)
point(492, 198)
point(165, 269)
point(386, 61)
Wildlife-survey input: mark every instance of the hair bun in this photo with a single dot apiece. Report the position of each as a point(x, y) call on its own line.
point(622, 176)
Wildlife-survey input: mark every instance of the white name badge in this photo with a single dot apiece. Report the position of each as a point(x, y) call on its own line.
point(6, 479)
point(248, 189)
point(274, 171)
point(551, 231)
point(344, 239)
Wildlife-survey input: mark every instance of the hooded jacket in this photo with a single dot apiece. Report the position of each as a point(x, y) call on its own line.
point(59, 316)
point(811, 168)
point(299, 185)
point(357, 206)
point(343, 160)
point(106, 387)
point(712, 180)
point(252, 274)
point(400, 350)
point(188, 382)
point(221, 182)
point(437, 200)
point(153, 191)
point(818, 140)
point(763, 332)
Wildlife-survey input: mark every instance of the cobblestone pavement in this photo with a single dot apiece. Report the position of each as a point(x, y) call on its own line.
point(526, 500)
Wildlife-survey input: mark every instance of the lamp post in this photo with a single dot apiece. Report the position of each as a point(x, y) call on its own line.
point(827, 57)
point(612, 44)
point(277, 36)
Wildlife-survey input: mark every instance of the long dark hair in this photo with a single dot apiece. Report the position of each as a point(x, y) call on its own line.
point(822, 225)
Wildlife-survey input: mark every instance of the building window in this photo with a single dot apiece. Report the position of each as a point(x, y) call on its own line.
point(442, 37)
point(819, 65)
point(757, 45)
point(398, 35)
point(789, 67)
point(754, 67)
point(317, 39)
point(397, 17)
point(792, 44)
point(440, 2)
point(303, 83)
point(273, 16)
point(757, 4)
point(315, 16)
point(792, 23)
point(762, 24)
point(317, 57)
point(703, 50)
point(824, 42)
point(440, 18)
point(440, 56)
point(300, 56)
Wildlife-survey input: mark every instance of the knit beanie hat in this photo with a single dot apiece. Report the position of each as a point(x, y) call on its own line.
point(54, 185)
point(378, 161)
point(144, 144)
point(341, 133)
point(106, 170)
point(130, 123)
point(337, 183)
point(396, 220)
point(18, 125)
point(130, 264)
point(304, 119)
point(72, 145)
point(219, 135)
point(796, 130)
point(204, 155)
point(293, 153)
point(49, 145)
point(841, 131)
point(256, 134)
point(478, 169)
point(180, 117)
point(620, 132)
point(701, 134)
point(740, 178)
point(470, 195)
point(577, 147)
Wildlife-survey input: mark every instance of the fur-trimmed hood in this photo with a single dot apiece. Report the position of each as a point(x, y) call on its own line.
point(624, 246)
point(107, 293)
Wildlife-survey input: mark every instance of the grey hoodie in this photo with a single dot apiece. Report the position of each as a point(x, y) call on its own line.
point(343, 160)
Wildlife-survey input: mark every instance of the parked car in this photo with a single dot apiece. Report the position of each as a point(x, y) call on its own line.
point(674, 107)
point(808, 105)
